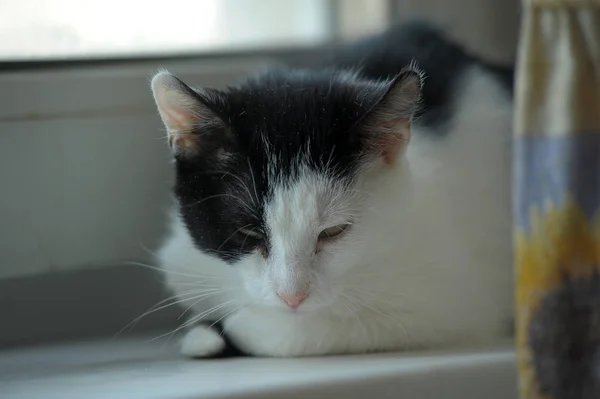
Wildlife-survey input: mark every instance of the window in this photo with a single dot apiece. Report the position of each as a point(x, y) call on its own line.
point(42, 29)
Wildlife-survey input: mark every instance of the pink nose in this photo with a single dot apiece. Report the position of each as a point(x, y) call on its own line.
point(293, 300)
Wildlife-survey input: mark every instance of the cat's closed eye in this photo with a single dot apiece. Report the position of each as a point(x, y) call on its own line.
point(333, 231)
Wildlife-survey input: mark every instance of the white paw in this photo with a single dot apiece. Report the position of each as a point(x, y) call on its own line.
point(202, 341)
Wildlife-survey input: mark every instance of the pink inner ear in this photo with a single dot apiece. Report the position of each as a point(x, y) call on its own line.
point(180, 124)
point(390, 144)
point(179, 120)
point(183, 143)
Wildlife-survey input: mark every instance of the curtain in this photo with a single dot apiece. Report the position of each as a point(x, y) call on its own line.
point(557, 199)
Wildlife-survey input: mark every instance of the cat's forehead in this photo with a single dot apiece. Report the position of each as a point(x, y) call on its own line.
point(298, 201)
point(285, 123)
point(296, 100)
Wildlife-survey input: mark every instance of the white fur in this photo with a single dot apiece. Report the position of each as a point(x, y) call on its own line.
point(202, 341)
point(426, 263)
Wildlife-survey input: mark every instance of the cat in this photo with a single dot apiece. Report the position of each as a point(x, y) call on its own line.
point(360, 205)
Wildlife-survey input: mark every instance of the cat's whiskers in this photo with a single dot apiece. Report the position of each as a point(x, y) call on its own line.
point(253, 230)
point(200, 299)
point(152, 267)
point(396, 301)
point(223, 252)
point(243, 185)
point(182, 297)
point(200, 283)
point(165, 137)
point(353, 312)
point(194, 320)
point(226, 314)
point(241, 201)
point(231, 236)
point(370, 294)
point(253, 180)
point(165, 271)
point(363, 304)
point(203, 276)
point(204, 314)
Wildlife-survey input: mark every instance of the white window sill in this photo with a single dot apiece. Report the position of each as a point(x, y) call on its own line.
point(137, 368)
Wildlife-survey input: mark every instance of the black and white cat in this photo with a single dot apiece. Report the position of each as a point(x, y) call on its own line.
point(362, 206)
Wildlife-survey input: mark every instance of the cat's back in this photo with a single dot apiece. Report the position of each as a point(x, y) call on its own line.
point(384, 55)
point(443, 61)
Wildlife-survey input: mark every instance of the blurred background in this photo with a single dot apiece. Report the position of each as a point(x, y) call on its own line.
point(33, 30)
point(84, 167)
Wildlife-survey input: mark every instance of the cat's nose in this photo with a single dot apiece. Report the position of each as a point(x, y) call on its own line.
point(293, 299)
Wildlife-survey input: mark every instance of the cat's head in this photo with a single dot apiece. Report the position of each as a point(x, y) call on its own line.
point(274, 177)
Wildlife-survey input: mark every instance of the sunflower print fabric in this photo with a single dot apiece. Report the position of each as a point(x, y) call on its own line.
point(557, 200)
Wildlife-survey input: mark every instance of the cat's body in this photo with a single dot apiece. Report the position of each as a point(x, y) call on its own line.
point(307, 226)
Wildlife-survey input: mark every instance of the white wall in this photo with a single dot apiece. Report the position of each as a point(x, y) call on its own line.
point(84, 167)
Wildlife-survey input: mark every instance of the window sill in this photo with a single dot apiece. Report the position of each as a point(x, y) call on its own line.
point(138, 368)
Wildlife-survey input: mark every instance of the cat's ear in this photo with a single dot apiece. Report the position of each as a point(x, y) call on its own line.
point(388, 123)
point(192, 126)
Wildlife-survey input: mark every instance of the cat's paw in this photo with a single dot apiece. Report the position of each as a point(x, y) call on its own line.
point(202, 341)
